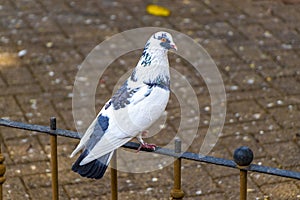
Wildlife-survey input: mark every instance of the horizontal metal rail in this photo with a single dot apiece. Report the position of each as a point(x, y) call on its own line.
point(159, 150)
point(39, 128)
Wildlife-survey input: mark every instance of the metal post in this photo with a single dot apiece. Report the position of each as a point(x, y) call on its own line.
point(243, 184)
point(114, 177)
point(2, 172)
point(176, 192)
point(243, 156)
point(54, 165)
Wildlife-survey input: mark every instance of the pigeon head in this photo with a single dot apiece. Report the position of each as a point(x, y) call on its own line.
point(162, 40)
point(153, 66)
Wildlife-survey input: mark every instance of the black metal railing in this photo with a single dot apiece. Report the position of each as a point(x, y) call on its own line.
point(243, 157)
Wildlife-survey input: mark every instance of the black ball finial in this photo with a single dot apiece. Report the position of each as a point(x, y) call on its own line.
point(243, 156)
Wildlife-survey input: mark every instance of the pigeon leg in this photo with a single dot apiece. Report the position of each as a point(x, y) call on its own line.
point(147, 146)
point(143, 144)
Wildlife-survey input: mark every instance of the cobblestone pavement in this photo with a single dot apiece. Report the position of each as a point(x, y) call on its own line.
point(255, 44)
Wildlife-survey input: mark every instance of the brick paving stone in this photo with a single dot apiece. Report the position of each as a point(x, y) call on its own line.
point(231, 64)
point(288, 37)
point(276, 136)
point(244, 111)
point(230, 185)
point(37, 180)
point(17, 76)
point(24, 89)
point(263, 179)
point(250, 127)
point(41, 23)
point(13, 188)
point(11, 134)
point(38, 56)
point(296, 169)
point(4, 152)
point(6, 7)
point(285, 153)
point(25, 150)
point(22, 169)
point(45, 193)
point(285, 116)
point(285, 83)
point(285, 57)
point(147, 194)
point(237, 65)
point(25, 39)
point(155, 180)
point(249, 53)
point(217, 48)
point(199, 186)
point(65, 53)
point(256, 30)
point(207, 197)
point(92, 189)
point(65, 145)
point(224, 8)
point(271, 74)
point(56, 7)
point(68, 177)
point(35, 106)
point(46, 43)
point(246, 95)
point(23, 6)
point(285, 190)
point(2, 83)
point(12, 21)
point(249, 80)
point(9, 107)
point(254, 9)
point(52, 81)
point(221, 28)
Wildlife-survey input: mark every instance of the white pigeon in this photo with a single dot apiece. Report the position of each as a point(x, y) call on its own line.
point(138, 103)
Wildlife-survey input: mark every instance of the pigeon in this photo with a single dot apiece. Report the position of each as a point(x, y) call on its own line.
point(133, 108)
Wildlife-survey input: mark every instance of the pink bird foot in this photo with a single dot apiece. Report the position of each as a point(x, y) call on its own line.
point(151, 147)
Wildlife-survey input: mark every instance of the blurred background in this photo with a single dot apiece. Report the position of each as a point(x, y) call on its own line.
point(255, 45)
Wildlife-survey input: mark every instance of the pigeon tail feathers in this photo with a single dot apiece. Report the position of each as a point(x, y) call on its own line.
point(94, 169)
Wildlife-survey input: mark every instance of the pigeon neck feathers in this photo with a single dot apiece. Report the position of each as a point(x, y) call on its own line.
point(154, 70)
point(153, 66)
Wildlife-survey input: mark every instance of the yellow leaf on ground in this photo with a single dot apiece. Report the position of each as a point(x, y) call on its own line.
point(158, 10)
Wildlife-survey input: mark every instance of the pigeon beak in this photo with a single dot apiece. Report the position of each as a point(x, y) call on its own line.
point(173, 46)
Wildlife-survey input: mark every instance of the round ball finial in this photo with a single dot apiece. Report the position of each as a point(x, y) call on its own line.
point(243, 156)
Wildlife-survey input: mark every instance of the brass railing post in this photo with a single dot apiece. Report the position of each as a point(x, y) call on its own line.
point(114, 177)
point(243, 156)
point(176, 192)
point(2, 172)
point(243, 184)
point(54, 165)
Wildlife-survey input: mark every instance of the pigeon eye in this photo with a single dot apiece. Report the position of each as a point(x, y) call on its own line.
point(163, 39)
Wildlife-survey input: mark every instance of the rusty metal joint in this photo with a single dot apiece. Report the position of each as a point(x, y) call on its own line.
point(177, 194)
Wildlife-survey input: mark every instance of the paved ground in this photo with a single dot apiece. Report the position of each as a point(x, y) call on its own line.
point(255, 44)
